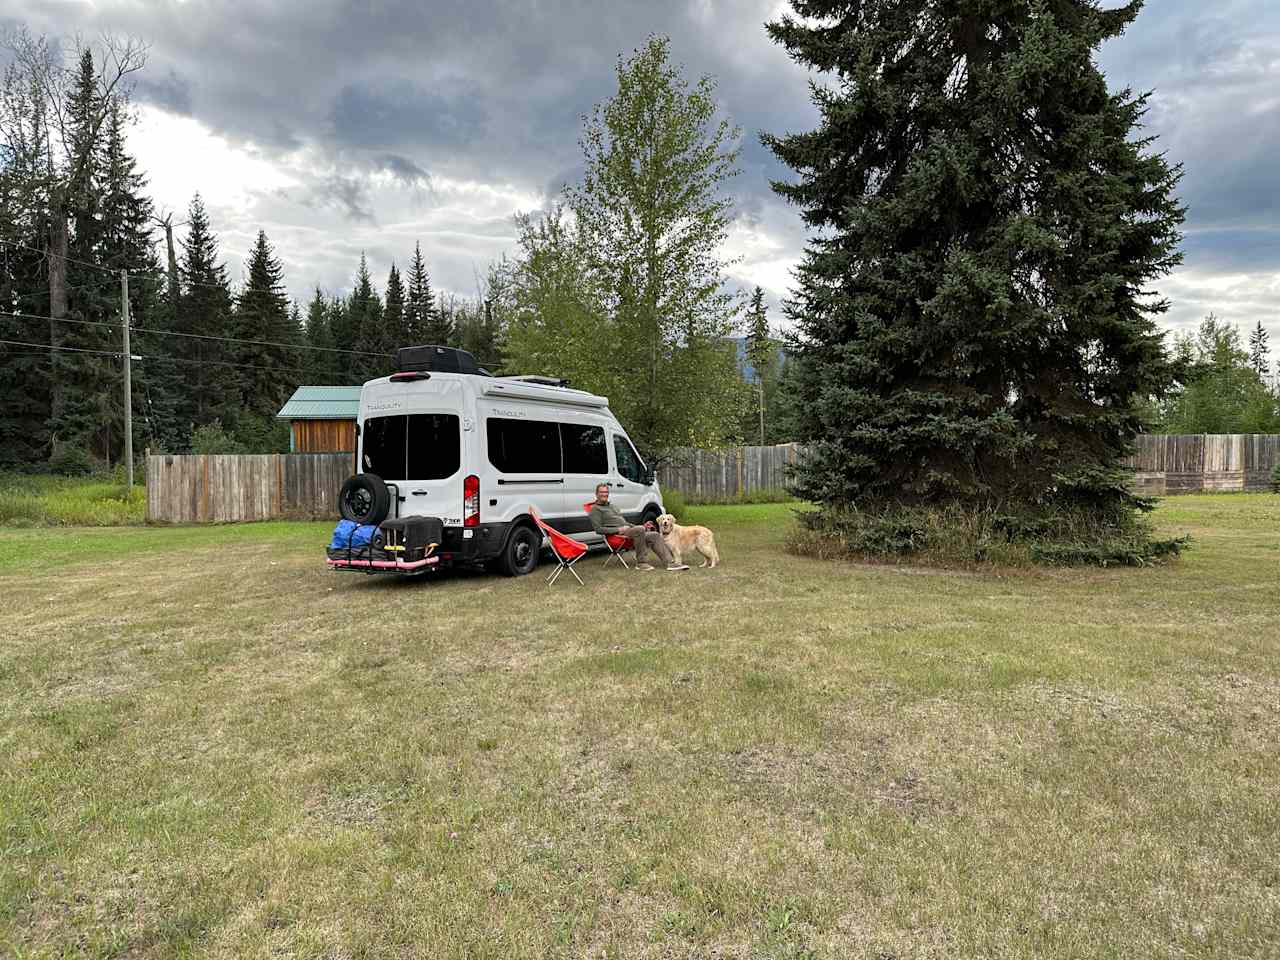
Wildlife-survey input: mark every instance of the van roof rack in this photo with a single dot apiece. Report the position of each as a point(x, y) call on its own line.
point(544, 381)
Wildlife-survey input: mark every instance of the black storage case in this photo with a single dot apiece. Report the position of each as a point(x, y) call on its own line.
point(414, 534)
point(431, 358)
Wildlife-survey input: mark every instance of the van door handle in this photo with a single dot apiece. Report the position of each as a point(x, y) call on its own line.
point(419, 493)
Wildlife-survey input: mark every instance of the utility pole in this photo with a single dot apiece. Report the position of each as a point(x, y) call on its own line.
point(128, 385)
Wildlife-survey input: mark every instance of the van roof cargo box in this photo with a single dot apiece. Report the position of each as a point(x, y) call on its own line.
point(435, 359)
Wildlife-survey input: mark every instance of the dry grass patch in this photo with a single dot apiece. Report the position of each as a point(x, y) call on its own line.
point(213, 747)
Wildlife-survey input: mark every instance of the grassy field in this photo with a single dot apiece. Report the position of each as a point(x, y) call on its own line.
point(30, 500)
point(210, 746)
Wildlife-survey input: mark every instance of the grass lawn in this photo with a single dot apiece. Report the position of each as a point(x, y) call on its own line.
point(211, 746)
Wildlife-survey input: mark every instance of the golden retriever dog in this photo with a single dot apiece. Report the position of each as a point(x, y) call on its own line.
point(680, 539)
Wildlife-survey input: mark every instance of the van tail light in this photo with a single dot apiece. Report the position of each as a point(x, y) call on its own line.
point(471, 501)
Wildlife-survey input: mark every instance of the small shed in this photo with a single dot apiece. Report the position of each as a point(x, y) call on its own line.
point(322, 419)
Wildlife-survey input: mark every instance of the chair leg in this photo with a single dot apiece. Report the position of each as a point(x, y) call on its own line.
point(622, 560)
point(569, 567)
point(555, 574)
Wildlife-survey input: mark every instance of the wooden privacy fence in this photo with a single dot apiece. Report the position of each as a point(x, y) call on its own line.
point(1189, 463)
point(725, 474)
point(201, 489)
point(204, 489)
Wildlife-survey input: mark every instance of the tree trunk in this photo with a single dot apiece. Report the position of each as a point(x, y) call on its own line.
point(56, 255)
point(173, 269)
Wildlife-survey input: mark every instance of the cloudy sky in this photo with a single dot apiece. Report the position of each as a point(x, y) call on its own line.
point(347, 125)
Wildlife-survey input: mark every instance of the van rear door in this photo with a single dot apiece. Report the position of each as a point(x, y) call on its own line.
point(421, 453)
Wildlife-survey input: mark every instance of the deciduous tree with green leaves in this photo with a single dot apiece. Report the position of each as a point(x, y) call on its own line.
point(649, 221)
point(1223, 393)
point(974, 312)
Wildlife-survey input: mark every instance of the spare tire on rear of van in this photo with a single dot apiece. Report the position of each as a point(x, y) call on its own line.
point(364, 499)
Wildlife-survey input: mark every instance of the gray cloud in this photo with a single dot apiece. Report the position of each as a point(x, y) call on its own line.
point(493, 92)
point(403, 169)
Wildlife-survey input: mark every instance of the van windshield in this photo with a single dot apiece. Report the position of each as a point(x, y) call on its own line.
point(421, 446)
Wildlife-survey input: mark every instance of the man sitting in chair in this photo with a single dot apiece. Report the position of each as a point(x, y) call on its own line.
point(606, 519)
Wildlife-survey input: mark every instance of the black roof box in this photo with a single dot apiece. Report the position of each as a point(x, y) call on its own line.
point(432, 358)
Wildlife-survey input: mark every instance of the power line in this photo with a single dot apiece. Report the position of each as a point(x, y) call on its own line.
point(154, 356)
point(162, 276)
point(194, 336)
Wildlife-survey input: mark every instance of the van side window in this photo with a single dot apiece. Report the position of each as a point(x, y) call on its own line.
point(423, 446)
point(523, 446)
point(433, 450)
point(629, 463)
point(584, 449)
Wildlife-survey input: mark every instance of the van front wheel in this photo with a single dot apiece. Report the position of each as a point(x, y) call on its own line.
point(520, 556)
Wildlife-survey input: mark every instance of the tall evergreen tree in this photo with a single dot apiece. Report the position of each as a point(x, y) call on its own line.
point(364, 309)
point(206, 311)
point(25, 372)
point(342, 336)
point(394, 317)
point(1259, 352)
point(85, 412)
point(66, 109)
point(321, 366)
point(127, 225)
point(972, 313)
point(761, 352)
point(262, 314)
point(423, 322)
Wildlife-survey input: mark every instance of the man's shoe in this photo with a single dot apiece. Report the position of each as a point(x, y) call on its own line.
point(644, 566)
point(677, 566)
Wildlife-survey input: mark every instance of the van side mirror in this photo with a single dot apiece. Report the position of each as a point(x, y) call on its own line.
point(650, 476)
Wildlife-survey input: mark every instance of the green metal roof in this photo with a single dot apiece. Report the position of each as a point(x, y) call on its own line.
point(322, 403)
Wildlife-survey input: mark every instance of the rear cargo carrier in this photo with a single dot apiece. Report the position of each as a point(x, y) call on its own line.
point(405, 545)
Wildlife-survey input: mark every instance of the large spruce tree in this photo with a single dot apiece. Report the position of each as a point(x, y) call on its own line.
point(269, 372)
point(127, 218)
point(423, 321)
point(973, 314)
point(394, 332)
point(84, 414)
point(205, 310)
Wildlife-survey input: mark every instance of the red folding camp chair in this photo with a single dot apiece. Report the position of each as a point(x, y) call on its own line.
point(615, 543)
point(566, 550)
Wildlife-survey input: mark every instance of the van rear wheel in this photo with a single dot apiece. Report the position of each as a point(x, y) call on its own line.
point(520, 555)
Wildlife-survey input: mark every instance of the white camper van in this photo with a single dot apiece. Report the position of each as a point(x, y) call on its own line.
point(443, 439)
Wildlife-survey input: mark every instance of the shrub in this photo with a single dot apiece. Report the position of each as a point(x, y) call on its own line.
point(673, 502)
point(99, 501)
point(71, 462)
point(958, 535)
point(1275, 479)
point(261, 435)
point(766, 495)
point(212, 439)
